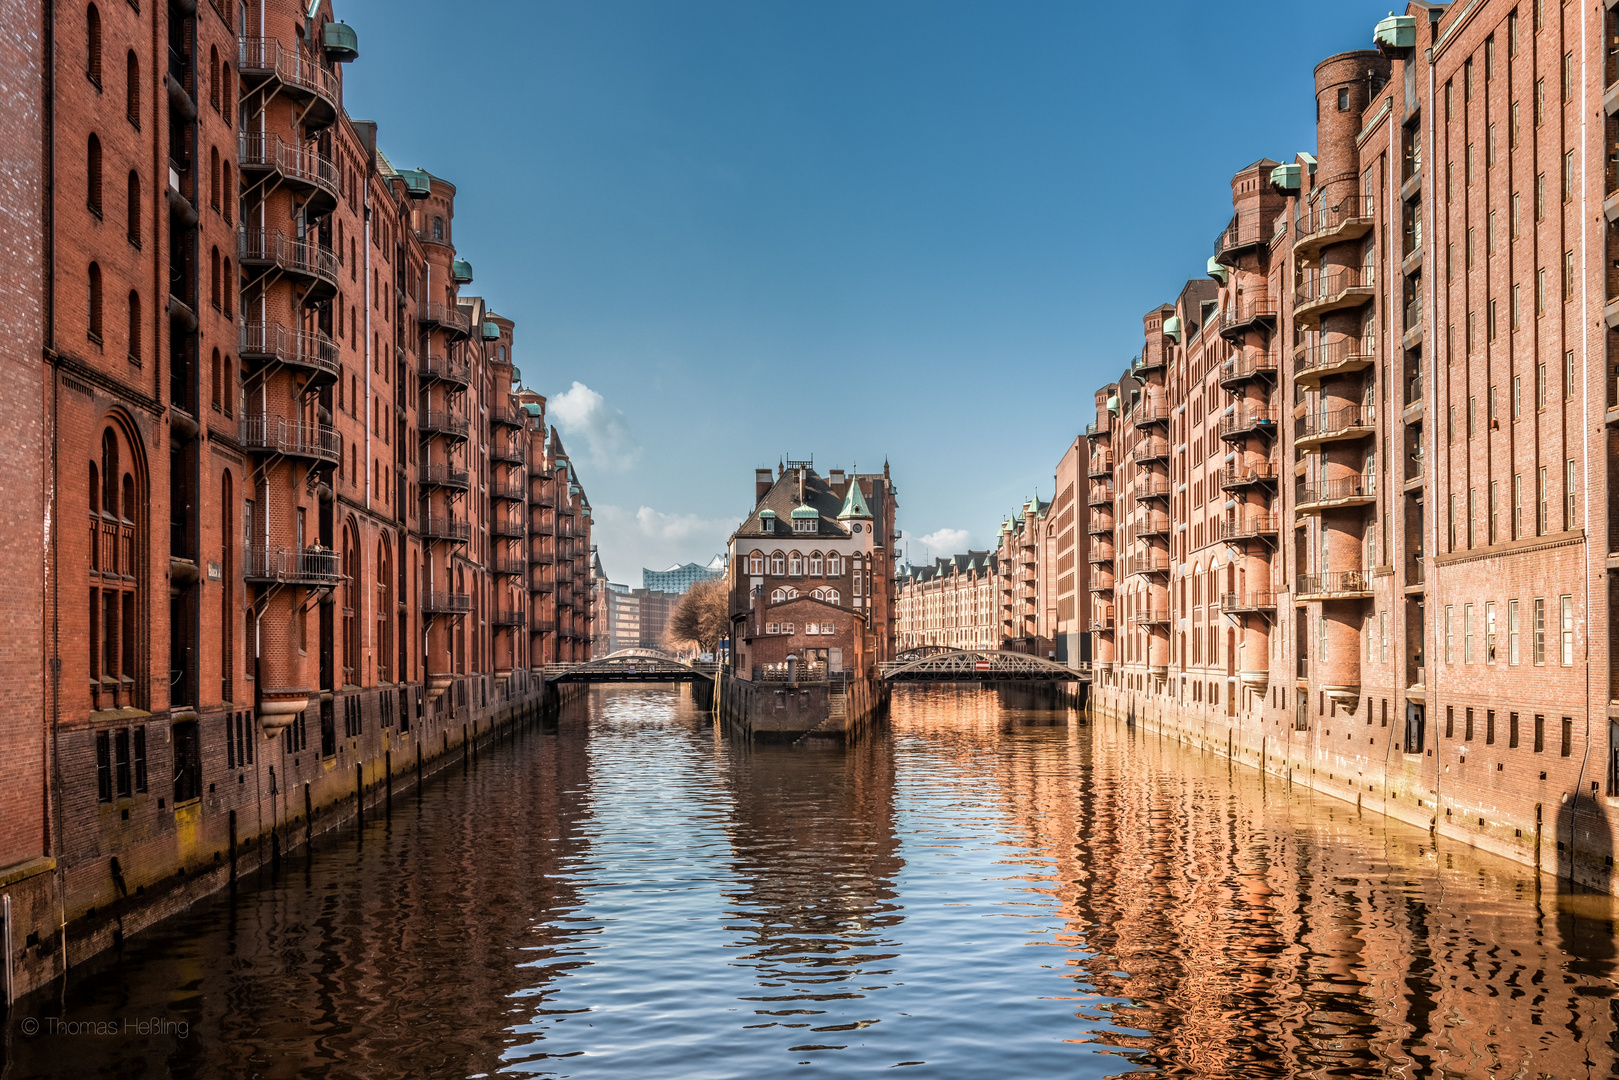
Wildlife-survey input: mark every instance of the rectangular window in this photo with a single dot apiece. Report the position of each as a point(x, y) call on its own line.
point(1489, 727)
point(1568, 736)
point(1517, 396)
point(1489, 631)
point(1514, 218)
point(104, 767)
point(1472, 408)
point(1517, 506)
point(1512, 125)
point(1568, 176)
point(1568, 76)
point(1540, 386)
point(1540, 196)
point(1450, 634)
point(1467, 633)
point(1540, 102)
point(1540, 501)
point(123, 772)
point(1566, 604)
point(1517, 306)
point(1539, 640)
point(1472, 513)
point(1489, 234)
point(1489, 328)
point(1540, 291)
point(1467, 726)
point(1383, 620)
point(1568, 376)
point(140, 759)
point(1512, 632)
point(1470, 334)
point(1450, 721)
point(1568, 496)
point(1489, 148)
point(1493, 492)
point(1512, 731)
point(1540, 733)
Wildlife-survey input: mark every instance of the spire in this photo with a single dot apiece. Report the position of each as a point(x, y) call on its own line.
point(854, 503)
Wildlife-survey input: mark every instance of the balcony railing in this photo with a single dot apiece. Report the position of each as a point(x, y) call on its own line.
point(1237, 474)
point(1241, 368)
point(1149, 616)
point(1245, 230)
point(1153, 525)
point(270, 247)
point(448, 316)
point(434, 368)
point(293, 438)
point(508, 567)
point(442, 422)
point(506, 529)
point(510, 491)
point(1333, 357)
point(1151, 412)
point(508, 453)
point(1232, 602)
point(1151, 562)
point(508, 415)
point(447, 476)
point(1102, 623)
point(308, 349)
point(1323, 224)
point(1248, 525)
point(1260, 311)
point(1097, 427)
point(1101, 464)
point(309, 566)
point(1151, 487)
point(446, 603)
point(1343, 583)
point(301, 166)
point(1331, 284)
point(261, 58)
point(1100, 525)
point(1101, 494)
point(508, 618)
point(447, 528)
point(1247, 421)
point(542, 557)
point(1351, 422)
point(1361, 487)
point(1150, 450)
point(1101, 553)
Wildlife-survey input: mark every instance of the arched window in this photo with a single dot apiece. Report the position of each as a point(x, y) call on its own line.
point(132, 88)
point(795, 565)
point(832, 596)
point(351, 605)
point(384, 640)
point(226, 96)
point(134, 327)
point(95, 301)
point(213, 76)
point(756, 564)
point(227, 599)
point(116, 596)
point(92, 43)
point(213, 277)
point(815, 564)
point(778, 564)
point(213, 177)
point(778, 595)
point(834, 565)
point(500, 353)
point(92, 174)
point(228, 196)
point(133, 206)
point(229, 286)
point(218, 383)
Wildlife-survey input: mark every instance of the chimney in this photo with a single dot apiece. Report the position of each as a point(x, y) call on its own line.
point(762, 481)
point(835, 478)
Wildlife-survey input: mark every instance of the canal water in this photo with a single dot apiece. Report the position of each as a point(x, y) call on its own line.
point(970, 892)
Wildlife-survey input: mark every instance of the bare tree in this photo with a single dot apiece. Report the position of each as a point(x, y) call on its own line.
point(701, 618)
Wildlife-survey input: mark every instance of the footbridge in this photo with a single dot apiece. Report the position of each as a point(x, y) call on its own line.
point(630, 666)
point(943, 664)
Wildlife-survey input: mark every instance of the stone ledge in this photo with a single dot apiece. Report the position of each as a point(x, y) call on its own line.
point(10, 875)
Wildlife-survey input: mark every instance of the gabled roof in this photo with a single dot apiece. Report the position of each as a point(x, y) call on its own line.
point(817, 503)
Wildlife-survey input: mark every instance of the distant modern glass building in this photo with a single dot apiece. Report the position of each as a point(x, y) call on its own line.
point(677, 579)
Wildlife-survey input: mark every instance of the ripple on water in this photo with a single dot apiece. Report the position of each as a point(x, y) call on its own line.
point(973, 891)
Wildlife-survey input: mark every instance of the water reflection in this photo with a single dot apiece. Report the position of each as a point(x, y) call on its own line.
point(972, 891)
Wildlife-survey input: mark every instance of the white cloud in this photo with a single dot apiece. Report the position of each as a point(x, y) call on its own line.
point(581, 411)
point(944, 542)
point(630, 540)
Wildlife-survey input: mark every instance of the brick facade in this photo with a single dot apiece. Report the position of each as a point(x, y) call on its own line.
point(1351, 502)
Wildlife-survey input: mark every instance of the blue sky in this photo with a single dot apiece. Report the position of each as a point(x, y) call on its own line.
point(914, 231)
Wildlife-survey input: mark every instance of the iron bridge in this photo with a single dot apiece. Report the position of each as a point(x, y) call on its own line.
point(630, 666)
point(936, 664)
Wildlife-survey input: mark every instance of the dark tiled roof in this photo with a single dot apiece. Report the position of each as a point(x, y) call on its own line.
point(783, 498)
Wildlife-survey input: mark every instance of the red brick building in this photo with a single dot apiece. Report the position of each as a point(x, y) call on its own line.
point(241, 350)
point(1351, 504)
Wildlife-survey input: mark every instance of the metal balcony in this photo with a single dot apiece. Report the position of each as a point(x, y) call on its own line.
point(1334, 358)
point(1102, 624)
point(316, 177)
point(440, 422)
point(456, 530)
point(1150, 450)
point(293, 566)
point(1337, 425)
point(435, 368)
point(508, 618)
point(1101, 553)
point(514, 416)
point(507, 452)
point(1148, 361)
point(508, 567)
point(1101, 526)
point(1152, 562)
point(1244, 422)
point(1334, 289)
point(443, 476)
point(1150, 617)
point(1101, 580)
point(1247, 603)
point(1249, 526)
point(1153, 526)
point(1245, 232)
point(446, 317)
point(1151, 487)
point(446, 603)
point(1101, 495)
point(508, 530)
point(1096, 428)
point(513, 491)
point(1246, 368)
point(541, 585)
point(308, 350)
point(291, 438)
point(302, 77)
point(1150, 414)
point(303, 259)
point(1236, 475)
point(1358, 490)
point(542, 557)
point(1260, 312)
point(1101, 465)
point(1343, 585)
point(1348, 219)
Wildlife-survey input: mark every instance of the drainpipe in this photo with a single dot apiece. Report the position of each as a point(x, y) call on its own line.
point(1585, 453)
